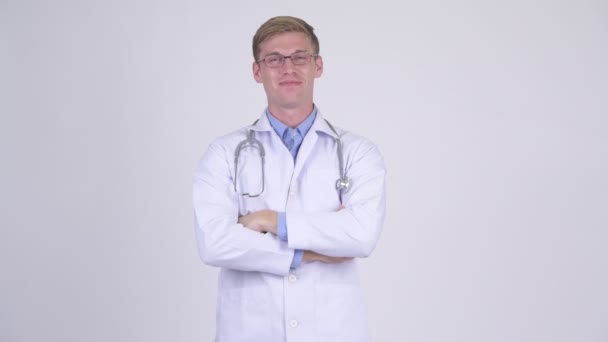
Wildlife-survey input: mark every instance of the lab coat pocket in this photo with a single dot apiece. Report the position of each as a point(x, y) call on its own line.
point(340, 313)
point(243, 314)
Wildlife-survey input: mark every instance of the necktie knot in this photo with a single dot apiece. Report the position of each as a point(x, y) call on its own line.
point(290, 137)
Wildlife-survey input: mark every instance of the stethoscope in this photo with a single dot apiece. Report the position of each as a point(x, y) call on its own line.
point(342, 184)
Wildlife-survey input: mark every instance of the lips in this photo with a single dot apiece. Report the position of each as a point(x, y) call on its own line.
point(290, 83)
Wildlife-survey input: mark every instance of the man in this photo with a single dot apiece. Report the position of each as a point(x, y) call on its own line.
point(286, 205)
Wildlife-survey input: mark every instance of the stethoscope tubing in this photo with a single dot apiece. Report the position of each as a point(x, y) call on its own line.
point(342, 184)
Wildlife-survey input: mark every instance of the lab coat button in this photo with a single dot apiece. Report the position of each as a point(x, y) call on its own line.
point(294, 323)
point(292, 278)
point(292, 191)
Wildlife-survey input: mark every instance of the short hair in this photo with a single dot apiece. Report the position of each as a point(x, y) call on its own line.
point(283, 24)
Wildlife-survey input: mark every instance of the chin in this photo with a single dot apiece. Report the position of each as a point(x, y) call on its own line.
point(290, 103)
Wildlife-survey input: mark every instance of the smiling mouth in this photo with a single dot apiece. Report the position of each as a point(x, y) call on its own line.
point(289, 83)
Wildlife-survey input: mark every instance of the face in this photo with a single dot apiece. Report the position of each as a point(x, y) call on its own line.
point(289, 86)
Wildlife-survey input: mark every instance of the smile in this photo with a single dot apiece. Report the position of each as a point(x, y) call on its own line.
point(290, 83)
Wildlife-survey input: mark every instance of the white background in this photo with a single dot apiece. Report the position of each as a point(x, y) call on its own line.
point(491, 115)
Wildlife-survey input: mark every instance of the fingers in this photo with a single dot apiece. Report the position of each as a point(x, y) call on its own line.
point(245, 220)
point(250, 222)
point(310, 256)
point(334, 260)
point(263, 221)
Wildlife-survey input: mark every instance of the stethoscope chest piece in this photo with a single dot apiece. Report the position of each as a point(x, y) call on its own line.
point(342, 184)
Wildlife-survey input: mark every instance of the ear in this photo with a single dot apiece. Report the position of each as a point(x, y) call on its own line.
point(318, 66)
point(257, 72)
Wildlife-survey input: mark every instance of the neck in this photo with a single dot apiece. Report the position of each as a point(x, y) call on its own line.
point(291, 117)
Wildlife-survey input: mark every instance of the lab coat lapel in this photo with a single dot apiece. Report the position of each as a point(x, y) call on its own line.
point(308, 144)
point(271, 140)
point(280, 164)
point(262, 124)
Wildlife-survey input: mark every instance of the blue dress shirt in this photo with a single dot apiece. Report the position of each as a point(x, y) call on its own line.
point(292, 138)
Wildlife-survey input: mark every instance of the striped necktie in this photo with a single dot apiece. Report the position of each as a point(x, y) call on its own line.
point(292, 139)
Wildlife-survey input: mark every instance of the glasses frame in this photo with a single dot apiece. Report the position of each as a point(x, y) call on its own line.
point(283, 58)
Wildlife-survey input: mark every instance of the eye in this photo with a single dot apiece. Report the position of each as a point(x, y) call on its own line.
point(299, 58)
point(274, 59)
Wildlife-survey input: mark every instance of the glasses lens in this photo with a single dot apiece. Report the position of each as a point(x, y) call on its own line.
point(300, 58)
point(274, 60)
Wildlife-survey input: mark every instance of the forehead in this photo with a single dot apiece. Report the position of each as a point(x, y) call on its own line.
point(286, 43)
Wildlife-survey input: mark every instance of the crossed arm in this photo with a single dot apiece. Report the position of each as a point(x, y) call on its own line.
point(266, 221)
point(228, 240)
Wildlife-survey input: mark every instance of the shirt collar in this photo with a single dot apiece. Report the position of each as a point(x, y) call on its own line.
point(302, 128)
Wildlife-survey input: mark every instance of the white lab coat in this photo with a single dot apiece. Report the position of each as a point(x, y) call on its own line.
point(259, 297)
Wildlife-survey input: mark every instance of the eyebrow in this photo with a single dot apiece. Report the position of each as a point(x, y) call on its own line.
point(280, 54)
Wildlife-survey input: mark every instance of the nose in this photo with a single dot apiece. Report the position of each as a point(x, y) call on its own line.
point(287, 64)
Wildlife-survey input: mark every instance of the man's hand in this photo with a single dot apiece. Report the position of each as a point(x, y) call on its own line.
point(310, 256)
point(266, 221)
point(263, 221)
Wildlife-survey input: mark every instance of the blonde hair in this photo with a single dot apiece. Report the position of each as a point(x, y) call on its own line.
point(283, 24)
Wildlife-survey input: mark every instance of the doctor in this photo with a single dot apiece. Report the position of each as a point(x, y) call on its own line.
point(287, 205)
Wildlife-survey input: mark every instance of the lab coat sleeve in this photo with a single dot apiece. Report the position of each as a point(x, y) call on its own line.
point(354, 230)
point(221, 240)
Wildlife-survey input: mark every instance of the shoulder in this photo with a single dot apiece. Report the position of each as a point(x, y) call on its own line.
point(230, 140)
point(356, 143)
point(220, 151)
point(360, 153)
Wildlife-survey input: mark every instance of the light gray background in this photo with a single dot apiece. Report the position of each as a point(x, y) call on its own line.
point(491, 115)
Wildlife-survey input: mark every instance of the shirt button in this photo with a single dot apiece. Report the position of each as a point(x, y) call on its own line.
point(292, 278)
point(294, 323)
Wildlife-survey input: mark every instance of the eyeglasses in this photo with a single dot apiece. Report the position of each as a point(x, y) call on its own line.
point(276, 60)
